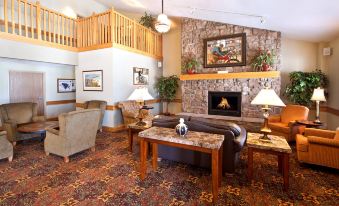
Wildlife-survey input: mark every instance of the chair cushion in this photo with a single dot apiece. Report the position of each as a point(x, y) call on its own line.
point(20, 112)
point(279, 127)
point(293, 113)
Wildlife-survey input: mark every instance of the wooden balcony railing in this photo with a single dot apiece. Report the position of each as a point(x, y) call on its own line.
point(30, 22)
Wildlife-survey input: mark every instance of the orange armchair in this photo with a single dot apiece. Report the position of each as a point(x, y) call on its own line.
point(320, 147)
point(284, 124)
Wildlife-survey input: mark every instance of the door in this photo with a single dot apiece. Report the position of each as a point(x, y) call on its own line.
point(27, 87)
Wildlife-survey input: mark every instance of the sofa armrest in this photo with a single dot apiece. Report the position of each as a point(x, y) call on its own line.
point(323, 141)
point(39, 119)
point(319, 133)
point(274, 118)
point(53, 131)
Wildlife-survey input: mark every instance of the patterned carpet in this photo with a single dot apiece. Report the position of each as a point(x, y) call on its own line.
point(109, 176)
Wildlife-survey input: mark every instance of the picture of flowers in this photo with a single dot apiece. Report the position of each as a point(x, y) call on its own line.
point(225, 51)
point(92, 80)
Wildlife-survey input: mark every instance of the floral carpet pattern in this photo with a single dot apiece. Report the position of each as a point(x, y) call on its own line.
point(109, 176)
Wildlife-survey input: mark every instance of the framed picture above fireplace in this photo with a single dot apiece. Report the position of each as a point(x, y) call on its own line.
point(225, 51)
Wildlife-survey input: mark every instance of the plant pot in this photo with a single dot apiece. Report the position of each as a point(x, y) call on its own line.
point(190, 71)
point(265, 67)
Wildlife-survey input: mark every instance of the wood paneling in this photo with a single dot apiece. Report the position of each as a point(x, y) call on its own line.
point(240, 75)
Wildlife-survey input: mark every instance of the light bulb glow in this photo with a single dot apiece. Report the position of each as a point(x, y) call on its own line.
point(163, 24)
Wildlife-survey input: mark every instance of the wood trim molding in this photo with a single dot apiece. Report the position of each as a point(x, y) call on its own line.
point(238, 75)
point(115, 107)
point(119, 46)
point(58, 102)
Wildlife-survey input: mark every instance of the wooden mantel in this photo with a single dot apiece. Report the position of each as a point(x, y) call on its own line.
point(240, 75)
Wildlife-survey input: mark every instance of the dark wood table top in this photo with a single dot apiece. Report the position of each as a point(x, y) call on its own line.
point(37, 126)
point(309, 123)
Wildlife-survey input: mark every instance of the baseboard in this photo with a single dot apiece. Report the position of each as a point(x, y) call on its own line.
point(114, 129)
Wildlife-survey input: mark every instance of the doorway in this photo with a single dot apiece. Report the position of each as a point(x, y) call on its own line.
point(27, 87)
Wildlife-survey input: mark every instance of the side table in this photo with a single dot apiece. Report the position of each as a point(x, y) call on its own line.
point(309, 124)
point(133, 129)
point(277, 146)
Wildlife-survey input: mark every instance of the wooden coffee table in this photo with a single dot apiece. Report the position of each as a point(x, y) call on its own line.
point(277, 146)
point(196, 141)
point(37, 127)
point(133, 129)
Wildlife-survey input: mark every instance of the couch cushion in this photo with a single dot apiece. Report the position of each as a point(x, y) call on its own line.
point(20, 112)
point(234, 128)
point(279, 127)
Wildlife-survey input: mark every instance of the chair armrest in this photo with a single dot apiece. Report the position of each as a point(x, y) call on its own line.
point(10, 123)
point(323, 141)
point(3, 132)
point(274, 118)
point(131, 114)
point(319, 133)
point(39, 119)
point(53, 131)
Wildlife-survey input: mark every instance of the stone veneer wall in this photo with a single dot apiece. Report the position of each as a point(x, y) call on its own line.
point(195, 93)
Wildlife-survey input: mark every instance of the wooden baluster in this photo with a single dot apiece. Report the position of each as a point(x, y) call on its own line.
point(6, 16)
point(12, 14)
point(19, 16)
point(62, 29)
point(45, 25)
point(55, 26)
point(71, 32)
point(38, 16)
point(112, 25)
point(103, 30)
point(49, 26)
point(66, 31)
point(59, 29)
point(25, 13)
point(134, 34)
point(32, 24)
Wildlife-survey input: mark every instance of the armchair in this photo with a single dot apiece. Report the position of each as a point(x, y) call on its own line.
point(6, 148)
point(97, 104)
point(14, 114)
point(284, 124)
point(130, 112)
point(77, 132)
point(320, 147)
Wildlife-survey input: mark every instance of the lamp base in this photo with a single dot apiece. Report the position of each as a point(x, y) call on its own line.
point(141, 123)
point(317, 121)
point(265, 134)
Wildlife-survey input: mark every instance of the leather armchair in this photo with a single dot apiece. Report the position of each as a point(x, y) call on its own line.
point(6, 148)
point(77, 132)
point(320, 147)
point(14, 114)
point(130, 112)
point(284, 124)
point(97, 104)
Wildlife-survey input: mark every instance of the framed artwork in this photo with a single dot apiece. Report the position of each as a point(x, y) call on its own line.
point(140, 76)
point(225, 51)
point(66, 85)
point(92, 80)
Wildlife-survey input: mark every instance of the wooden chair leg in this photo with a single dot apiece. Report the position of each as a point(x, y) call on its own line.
point(66, 159)
point(10, 159)
point(93, 149)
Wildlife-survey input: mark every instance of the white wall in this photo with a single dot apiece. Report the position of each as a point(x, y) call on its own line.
point(51, 73)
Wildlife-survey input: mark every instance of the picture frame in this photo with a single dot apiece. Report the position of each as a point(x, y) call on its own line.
point(140, 76)
point(92, 80)
point(65, 85)
point(225, 51)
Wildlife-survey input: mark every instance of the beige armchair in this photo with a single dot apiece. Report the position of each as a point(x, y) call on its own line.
point(130, 112)
point(284, 124)
point(97, 104)
point(320, 147)
point(6, 148)
point(14, 114)
point(77, 132)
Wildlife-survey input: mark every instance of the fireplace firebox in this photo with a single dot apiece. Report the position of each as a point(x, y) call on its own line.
point(224, 103)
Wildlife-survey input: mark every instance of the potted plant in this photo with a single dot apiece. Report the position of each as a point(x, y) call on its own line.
point(263, 60)
point(147, 20)
point(302, 84)
point(167, 88)
point(190, 65)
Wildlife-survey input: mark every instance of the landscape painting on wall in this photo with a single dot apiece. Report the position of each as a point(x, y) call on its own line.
point(225, 51)
point(66, 85)
point(92, 80)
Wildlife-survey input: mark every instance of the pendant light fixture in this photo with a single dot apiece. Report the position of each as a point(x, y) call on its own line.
point(163, 24)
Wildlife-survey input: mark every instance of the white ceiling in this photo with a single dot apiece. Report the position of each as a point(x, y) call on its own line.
point(311, 20)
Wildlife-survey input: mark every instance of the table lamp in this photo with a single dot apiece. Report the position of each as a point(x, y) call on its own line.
point(318, 96)
point(267, 97)
point(140, 95)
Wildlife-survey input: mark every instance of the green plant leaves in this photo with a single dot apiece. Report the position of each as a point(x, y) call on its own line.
point(167, 87)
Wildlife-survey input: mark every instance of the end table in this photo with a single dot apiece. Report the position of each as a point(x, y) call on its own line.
point(134, 128)
point(277, 146)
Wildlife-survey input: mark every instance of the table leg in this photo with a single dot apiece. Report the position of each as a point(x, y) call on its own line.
point(220, 165)
point(130, 139)
point(155, 156)
point(143, 158)
point(286, 162)
point(250, 163)
point(280, 163)
point(215, 174)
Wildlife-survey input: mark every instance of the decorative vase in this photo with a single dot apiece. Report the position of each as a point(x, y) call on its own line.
point(181, 128)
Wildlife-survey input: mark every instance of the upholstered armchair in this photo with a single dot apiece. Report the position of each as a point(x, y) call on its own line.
point(6, 148)
point(320, 147)
point(97, 104)
point(130, 112)
point(14, 114)
point(284, 124)
point(77, 132)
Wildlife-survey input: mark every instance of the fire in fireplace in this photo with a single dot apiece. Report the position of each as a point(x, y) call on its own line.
point(224, 103)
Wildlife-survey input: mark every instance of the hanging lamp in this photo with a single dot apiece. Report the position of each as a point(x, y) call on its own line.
point(163, 24)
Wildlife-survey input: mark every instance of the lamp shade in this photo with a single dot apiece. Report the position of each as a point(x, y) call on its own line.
point(318, 95)
point(163, 24)
point(268, 97)
point(140, 94)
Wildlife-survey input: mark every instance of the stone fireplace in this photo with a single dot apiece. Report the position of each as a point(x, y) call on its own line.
point(224, 103)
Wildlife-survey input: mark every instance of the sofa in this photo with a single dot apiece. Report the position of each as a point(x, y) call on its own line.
point(130, 112)
point(284, 124)
point(77, 132)
point(14, 114)
point(320, 147)
point(235, 138)
point(6, 148)
point(97, 104)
